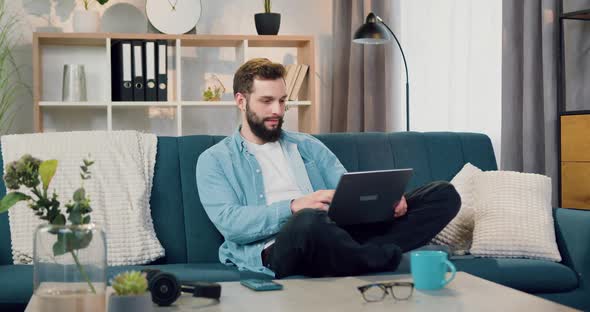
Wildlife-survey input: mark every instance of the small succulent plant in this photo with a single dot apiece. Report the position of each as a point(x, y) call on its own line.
point(130, 283)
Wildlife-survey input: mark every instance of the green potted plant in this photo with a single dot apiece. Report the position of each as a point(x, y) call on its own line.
point(87, 20)
point(69, 253)
point(130, 293)
point(267, 23)
point(215, 89)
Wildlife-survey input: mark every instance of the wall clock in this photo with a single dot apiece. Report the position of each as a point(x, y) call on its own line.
point(173, 16)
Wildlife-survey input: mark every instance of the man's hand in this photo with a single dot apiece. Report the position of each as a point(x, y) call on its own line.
point(401, 208)
point(316, 200)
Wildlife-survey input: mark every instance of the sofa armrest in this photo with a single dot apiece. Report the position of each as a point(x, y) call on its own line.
point(572, 230)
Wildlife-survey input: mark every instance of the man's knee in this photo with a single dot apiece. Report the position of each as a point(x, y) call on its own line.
point(449, 195)
point(308, 220)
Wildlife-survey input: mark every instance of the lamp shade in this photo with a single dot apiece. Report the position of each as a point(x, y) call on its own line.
point(376, 31)
point(371, 32)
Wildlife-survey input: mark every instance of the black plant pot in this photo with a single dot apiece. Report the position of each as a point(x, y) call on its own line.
point(267, 23)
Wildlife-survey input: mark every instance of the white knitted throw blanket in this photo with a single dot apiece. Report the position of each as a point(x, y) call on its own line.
point(119, 189)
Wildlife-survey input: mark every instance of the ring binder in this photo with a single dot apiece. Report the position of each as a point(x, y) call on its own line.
point(121, 75)
point(162, 75)
point(138, 72)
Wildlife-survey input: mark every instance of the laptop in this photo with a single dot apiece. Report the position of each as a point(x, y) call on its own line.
point(368, 196)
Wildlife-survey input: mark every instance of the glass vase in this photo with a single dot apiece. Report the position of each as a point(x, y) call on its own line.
point(70, 265)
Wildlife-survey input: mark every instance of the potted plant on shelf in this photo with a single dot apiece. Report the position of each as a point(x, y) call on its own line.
point(87, 20)
point(215, 89)
point(69, 258)
point(267, 23)
point(130, 293)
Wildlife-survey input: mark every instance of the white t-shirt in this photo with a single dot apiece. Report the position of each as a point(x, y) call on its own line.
point(279, 180)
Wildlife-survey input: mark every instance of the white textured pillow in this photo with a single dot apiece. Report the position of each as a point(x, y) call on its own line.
point(458, 233)
point(514, 217)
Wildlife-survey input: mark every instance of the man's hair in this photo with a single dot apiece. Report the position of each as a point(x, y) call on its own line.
point(258, 68)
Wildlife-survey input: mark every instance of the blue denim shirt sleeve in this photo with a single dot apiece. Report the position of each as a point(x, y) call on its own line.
point(242, 224)
point(330, 166)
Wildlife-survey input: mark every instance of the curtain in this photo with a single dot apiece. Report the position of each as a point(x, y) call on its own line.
point(365, 76)
point(529, 87)
point(454, 54)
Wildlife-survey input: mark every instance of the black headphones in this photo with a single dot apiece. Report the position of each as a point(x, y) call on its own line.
point(165, 287)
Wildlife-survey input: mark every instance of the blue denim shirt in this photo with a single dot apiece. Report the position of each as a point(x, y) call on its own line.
point(231, 188)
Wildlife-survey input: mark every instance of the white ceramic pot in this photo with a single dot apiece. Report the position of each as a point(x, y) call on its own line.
point(86, 21)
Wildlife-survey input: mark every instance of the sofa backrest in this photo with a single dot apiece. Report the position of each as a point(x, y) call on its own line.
point(434, 156)
point(188, 236)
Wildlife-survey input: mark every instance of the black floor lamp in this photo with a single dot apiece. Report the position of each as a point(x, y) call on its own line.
point(373, 32)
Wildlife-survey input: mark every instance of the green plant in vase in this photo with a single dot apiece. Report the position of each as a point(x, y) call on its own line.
point(36, 175)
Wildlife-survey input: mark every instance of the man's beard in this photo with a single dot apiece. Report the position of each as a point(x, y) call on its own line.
point(259, 129)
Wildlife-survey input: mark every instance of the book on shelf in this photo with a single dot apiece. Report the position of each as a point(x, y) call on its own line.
point(301, 75)
point(294, 79)
point(290, 77)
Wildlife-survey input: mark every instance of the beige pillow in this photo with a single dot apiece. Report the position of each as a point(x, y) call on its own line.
point(514, 217)
point(458, 233)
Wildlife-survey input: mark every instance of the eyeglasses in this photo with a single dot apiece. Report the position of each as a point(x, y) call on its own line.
point(378, 291)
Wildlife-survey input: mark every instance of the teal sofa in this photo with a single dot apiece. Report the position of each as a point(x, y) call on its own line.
point(191, 241)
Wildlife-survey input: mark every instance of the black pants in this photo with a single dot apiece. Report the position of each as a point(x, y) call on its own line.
point(313, 245)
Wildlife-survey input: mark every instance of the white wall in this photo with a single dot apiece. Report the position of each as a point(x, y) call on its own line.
point(303, 17)
point(454, 54)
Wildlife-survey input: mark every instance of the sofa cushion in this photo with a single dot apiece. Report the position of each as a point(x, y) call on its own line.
point(16, 283)
point(459, 232)
point(166, 202)
point(409, 150)
point(421, 151)
point(532, 276)
point(477, 149)
point(449, 145)
point(514, 218)
point(202, 238)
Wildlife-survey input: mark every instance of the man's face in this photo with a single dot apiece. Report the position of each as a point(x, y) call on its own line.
point(265, 108)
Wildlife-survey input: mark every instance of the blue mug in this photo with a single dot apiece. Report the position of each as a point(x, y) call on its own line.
point(429, 269)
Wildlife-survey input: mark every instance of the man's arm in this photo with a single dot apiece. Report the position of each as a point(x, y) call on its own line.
point(237, 223)
point(331, 168)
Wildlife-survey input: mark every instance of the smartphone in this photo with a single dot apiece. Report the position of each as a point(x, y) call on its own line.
point(261, 285)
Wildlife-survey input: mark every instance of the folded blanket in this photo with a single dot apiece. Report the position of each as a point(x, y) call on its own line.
point(119, 189)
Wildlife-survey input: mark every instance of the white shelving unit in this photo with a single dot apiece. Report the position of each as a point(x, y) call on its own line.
point(188, 57)
point(108, 106)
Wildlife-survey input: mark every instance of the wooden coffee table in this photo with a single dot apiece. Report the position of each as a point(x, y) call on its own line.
point(465, 293)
